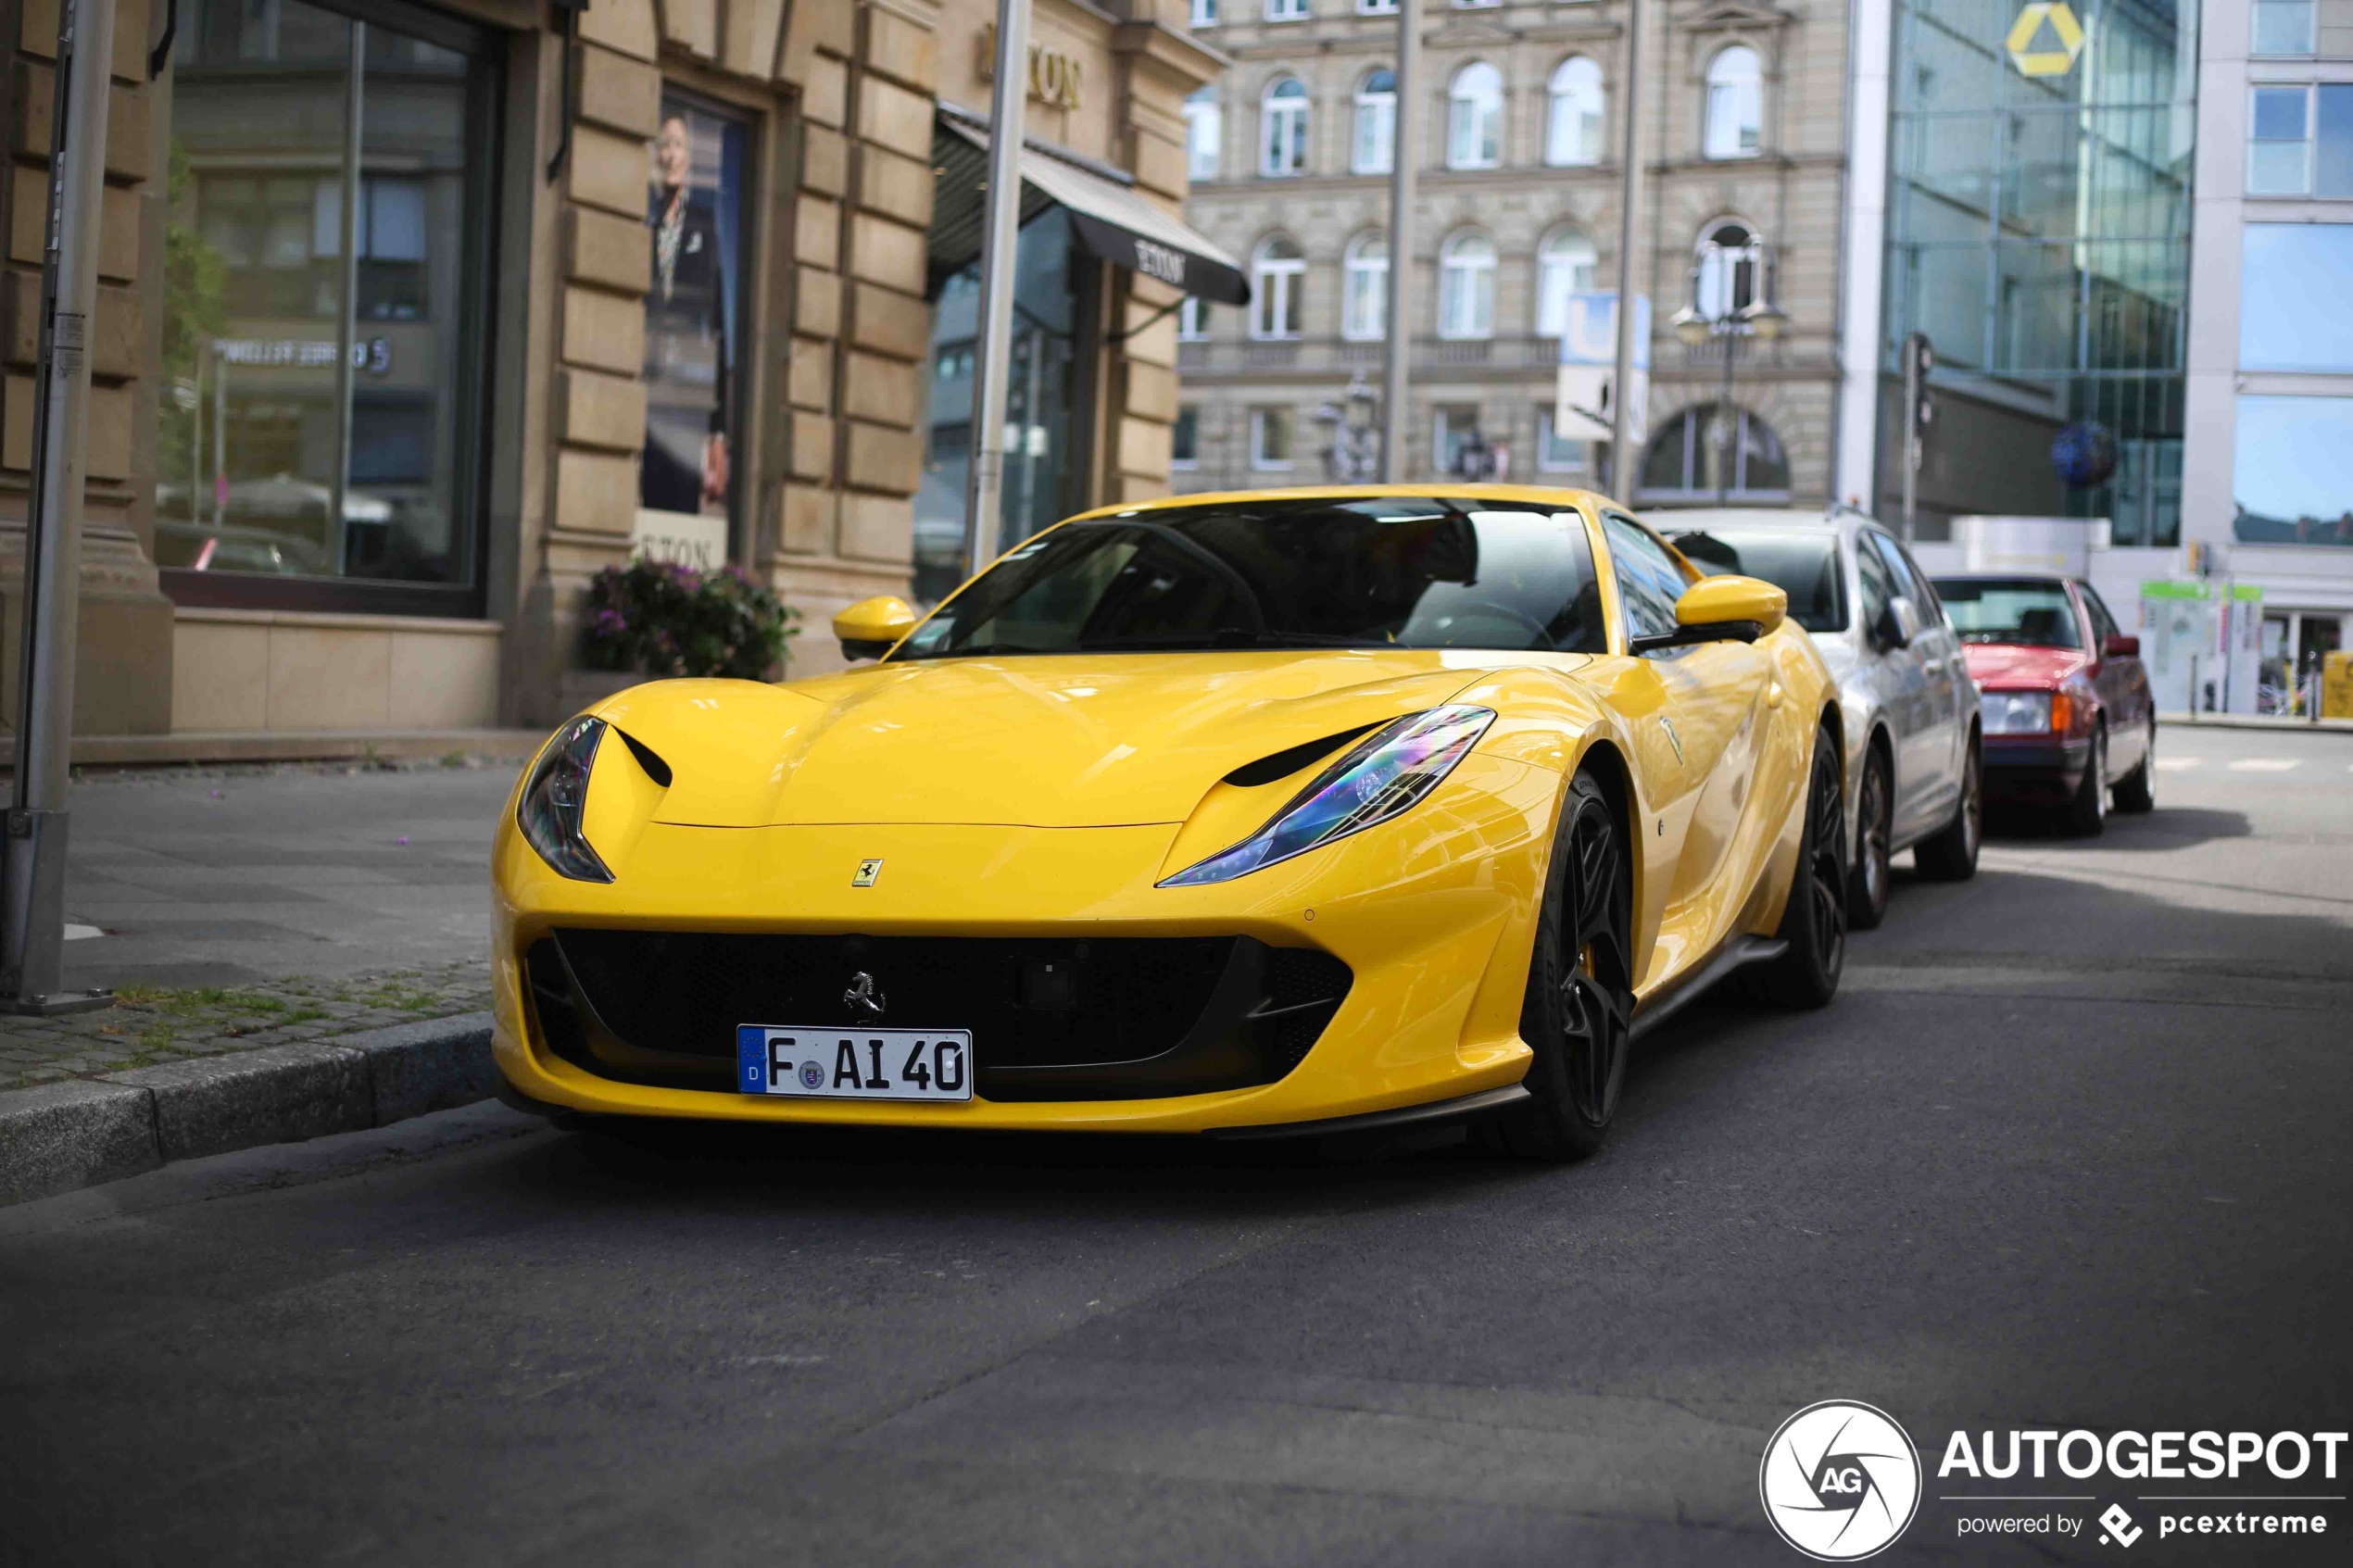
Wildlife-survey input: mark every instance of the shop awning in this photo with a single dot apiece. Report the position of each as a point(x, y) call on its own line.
point(1110, 219)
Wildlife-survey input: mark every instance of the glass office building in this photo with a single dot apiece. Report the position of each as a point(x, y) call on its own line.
point(2038, 232)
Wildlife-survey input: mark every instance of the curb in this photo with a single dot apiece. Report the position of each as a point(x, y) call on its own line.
point(2284, 723)
point(55, 1138)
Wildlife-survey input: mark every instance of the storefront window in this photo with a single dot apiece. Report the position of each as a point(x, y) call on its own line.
point(324, 306)
point(695, 222)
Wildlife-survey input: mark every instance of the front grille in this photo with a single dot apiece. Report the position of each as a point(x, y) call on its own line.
point(1052, 1018)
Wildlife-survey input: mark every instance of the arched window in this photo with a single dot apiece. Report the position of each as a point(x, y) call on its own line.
point(1688, 461)
point(1364, 306)
point(1735, 103)
point(1278, 271)
point(1564, 267)
point(1204, 133)
point(1475, 118)
point(1730, 255)
point(1375, 142)
point(1284, 147)
point(1467, 287)
point(1573, 121)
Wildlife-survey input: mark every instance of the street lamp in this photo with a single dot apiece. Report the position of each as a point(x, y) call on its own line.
point(1696, 325)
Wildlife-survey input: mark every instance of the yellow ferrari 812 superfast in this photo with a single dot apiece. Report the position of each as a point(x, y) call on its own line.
point(1296, 811)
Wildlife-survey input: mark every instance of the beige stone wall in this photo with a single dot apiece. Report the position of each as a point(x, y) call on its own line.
point(241, 669)
point(1791, 194)
point(123, 681)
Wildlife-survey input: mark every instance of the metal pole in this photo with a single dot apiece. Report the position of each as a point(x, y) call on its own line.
point(1404, 159)
point(1000, 246)
point(339, 543)
point(220, 438)
point(32, 890)
point(1911, 434)
point(1621, 402)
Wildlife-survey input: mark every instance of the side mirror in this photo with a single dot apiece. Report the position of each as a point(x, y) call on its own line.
point(871, 627)
point(1898, 623)
point(2119, 645)
point(1722, 609)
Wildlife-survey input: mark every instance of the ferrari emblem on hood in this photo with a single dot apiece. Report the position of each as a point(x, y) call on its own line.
point(867, 871)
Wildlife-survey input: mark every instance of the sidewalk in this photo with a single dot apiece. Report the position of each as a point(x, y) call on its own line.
point(2256, 721)
point(296, 949)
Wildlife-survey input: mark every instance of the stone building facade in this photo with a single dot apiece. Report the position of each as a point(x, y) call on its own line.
point(415, 316)
point(1743, 133)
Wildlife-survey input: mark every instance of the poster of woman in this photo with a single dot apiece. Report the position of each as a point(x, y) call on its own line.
point(693, 223)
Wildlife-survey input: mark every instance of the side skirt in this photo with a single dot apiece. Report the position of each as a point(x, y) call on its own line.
point(1739, 953)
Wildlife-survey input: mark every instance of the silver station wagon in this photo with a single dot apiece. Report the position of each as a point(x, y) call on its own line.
point(1914, 755)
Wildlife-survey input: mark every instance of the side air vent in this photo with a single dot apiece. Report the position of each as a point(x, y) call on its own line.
point(1283, 764)
point(648, 759)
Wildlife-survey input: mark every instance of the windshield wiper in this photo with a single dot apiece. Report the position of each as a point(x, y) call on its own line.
point(979, 650)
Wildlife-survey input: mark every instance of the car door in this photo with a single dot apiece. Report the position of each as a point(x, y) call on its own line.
point(1709, 694)
point(2122, 687)
point(1903, 683)
point(1937, 649)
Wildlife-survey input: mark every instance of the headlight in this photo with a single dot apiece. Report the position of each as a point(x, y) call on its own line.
point(2015, 713)
point(1383, 774)
point(550, 813)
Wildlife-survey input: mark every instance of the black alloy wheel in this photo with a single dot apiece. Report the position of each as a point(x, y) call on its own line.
point(1875, 835)
point(1578, 1012)
point(1951, 856)
point(1814, 921)
point(2087, 813)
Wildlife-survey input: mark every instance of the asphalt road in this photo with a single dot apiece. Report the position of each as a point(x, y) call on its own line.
point(2070, 1150)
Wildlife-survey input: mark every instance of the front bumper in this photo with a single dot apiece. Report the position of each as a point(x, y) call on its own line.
point(1431, 915)
point(2034, 769)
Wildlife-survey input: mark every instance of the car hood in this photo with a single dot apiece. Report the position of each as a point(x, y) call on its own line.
point(2014, 665)
point(1045, 741)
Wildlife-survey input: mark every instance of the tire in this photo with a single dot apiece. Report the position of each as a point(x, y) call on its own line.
point(1814, 922)
point(2136, 791)
point(1951, 856)
point(2087, 813)
point(1579, 1012)
point(1875, 831)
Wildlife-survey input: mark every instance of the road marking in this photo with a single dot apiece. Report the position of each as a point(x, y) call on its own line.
point(2179, 764)
point(81, 933)
point(2263, 764)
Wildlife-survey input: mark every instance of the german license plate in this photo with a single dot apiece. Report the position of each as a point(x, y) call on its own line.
point(821, 1063)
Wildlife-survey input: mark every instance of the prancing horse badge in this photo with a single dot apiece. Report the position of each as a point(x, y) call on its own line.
point(867, 871)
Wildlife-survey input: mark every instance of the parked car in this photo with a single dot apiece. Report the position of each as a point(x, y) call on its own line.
point(1909, 707)
point(2069, 724)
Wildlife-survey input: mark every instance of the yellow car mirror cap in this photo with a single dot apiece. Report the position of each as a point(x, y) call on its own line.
point(1718, 610)
point(870, 628)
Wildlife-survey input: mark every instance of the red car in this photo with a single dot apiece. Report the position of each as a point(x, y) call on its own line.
point(2068, 717)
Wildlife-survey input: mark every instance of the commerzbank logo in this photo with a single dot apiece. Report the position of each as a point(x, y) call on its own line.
point(1839, 1481)
point(2045, 39)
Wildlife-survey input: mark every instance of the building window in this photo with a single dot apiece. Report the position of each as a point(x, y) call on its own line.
point(1184, 440)
point(1204, 12)
point(1365, 304)
point(1374, 143)
point(1573, 119)
point(1686, 462)
point(1735, 103)
point(1270, 438)
point(1565, 265)
point(1475, 118)
point(2293, 476)
point(1204, 134)
point(1557, 454)
point(1729, 256)
point(1467, 287)
point(2279, 154)
point(1453, 426)
point(2282, 27)
point(1192, 319)
point(1285, 11)
point(2286, 271)
point(1375, 7)
point(1277, 279)
point(1284, 149)
point(322, 441)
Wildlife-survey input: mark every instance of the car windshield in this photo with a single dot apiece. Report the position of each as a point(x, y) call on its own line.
point(1999, 609)
point(1356, 572)
point(1801, 564)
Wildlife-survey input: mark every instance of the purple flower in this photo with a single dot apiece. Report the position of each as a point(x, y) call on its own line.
point(611, 623)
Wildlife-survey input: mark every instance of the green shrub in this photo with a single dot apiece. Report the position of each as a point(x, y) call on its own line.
point(658, 618)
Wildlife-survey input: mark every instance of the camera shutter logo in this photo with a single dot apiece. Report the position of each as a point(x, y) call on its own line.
point(1839, 1481)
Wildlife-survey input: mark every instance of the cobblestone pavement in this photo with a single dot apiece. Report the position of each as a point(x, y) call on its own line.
point(155, 1023)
